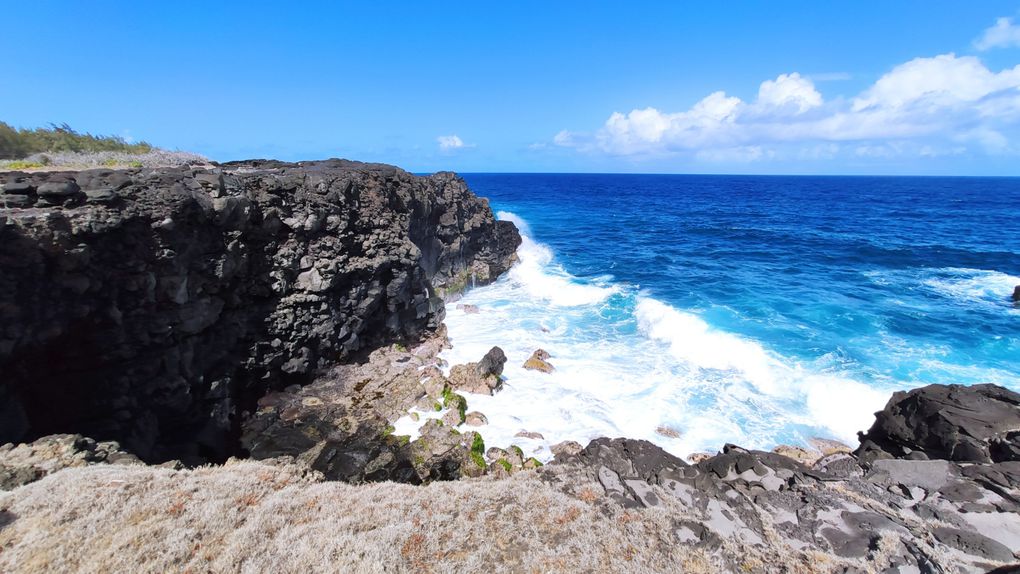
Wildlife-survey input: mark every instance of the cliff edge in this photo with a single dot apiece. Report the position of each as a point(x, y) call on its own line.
point(154, 306)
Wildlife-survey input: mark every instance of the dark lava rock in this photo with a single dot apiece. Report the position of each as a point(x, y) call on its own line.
point(156, 306)
point(492, 363)
point(1016, 293)
point(903, 516)
point(979, 423)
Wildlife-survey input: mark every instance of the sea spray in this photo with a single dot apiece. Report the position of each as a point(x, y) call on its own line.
point(627, 364)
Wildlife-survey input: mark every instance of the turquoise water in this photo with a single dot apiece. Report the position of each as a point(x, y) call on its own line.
point(753, 310)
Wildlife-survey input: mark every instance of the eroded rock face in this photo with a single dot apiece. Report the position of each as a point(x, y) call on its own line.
point(154, 306)
point(979, 423)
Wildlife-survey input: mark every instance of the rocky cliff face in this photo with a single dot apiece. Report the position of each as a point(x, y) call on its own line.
point(153, 306)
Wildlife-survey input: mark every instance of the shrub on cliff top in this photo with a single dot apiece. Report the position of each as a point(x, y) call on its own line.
point(20, 143)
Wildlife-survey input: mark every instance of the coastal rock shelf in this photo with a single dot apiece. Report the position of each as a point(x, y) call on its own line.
point(154, 306)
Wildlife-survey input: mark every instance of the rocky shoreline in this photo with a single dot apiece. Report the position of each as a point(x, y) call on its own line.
point(156, 307)
point(288, 314)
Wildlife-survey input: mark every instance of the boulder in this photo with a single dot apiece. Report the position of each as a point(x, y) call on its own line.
point(668, 432)
point(696, 457)
point(828, 446)
point(1016, 293)
point(979, 423)
point(482, 377)
point(537, 362)
point(566, 449)
point(453, 418)
point(799, 454)
point(58, 188)
point(468, 308)
point(529, 434)
point(475, 419)
point(492, 363)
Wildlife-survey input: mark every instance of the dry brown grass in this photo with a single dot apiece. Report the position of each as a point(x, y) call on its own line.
point(251, 517)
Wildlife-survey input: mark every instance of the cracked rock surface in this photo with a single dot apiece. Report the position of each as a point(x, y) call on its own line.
point(891, 516)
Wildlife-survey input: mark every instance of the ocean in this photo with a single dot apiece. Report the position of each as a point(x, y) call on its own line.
point(694, 311)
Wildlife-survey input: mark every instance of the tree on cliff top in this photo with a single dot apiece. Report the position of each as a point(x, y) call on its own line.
point(20, 143)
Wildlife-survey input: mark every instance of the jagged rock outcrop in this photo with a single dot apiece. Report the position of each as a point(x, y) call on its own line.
point(155, 306)
point(979, 423)
point(25, 463)
point(339, 425)
point(897, 516)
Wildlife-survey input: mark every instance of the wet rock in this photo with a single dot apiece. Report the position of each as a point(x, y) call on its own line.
point(453, 418)
point(475, 419)
point(468, 308)
point(1016, 293)
point(531, 435)
point(537, 362)
point(979, 423)
point(482, 377)
point(696, 457)
point(667, 432)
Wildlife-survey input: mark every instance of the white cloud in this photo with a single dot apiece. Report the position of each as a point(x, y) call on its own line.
point(451, 142)
point(565, 139)
point(1004, 34)
point(938, 103)
point(789, 91)
point(938, 82)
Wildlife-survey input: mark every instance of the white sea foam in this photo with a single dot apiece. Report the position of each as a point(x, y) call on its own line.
point(628, 364)
point(970, 286)
point(691, 340)
point(537, 274)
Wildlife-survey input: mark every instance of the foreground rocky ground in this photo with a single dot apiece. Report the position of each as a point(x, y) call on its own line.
point(618, 505)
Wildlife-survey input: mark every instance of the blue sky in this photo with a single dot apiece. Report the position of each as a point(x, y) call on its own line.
point(748, 87)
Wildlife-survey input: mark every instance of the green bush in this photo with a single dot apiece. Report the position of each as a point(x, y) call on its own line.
point(477, 450)
point(17, 143)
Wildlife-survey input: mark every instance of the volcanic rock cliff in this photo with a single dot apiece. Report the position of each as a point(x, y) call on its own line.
point(153, 306)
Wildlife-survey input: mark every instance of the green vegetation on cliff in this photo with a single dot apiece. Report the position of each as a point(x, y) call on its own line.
point(18, 143)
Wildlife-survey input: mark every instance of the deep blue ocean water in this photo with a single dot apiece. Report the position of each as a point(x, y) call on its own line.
point(698, 310)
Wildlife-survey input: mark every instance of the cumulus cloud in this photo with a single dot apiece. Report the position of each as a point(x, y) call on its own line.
point(937, 103)
point(789, 91)
point(451, 142)
point(1004, 34)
